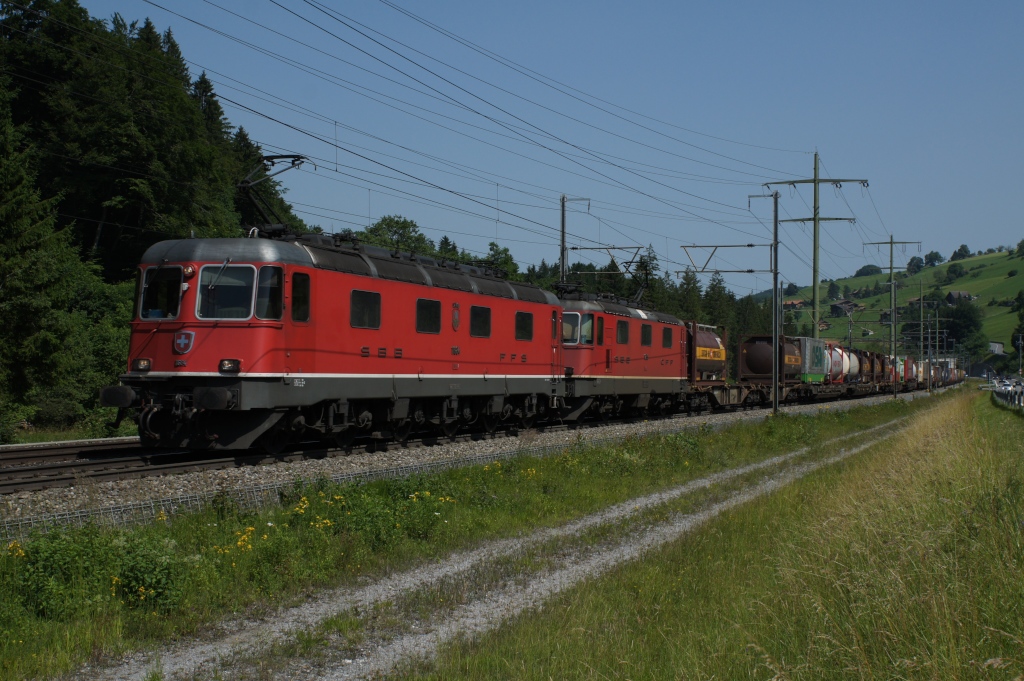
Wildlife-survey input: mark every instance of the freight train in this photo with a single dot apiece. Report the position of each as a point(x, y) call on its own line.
point(257, 342)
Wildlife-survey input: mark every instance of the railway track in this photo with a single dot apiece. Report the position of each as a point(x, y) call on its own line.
point(35, 467)
point(25, 468)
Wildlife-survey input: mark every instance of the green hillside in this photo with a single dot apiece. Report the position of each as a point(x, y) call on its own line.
point(986, 276)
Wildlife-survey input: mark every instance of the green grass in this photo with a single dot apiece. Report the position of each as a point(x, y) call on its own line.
point(83, 594)
point(94, 425)
point(992, 281)
point(904, 562)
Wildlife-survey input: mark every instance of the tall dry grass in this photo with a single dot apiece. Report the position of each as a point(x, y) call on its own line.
point(906, 561)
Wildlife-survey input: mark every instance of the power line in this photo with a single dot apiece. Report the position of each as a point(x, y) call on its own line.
point(542, 79)
point(547, 108)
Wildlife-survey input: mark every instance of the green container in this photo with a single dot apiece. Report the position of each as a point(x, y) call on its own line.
point(812, 360)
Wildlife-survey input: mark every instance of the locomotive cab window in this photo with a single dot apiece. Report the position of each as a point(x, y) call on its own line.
point(365, 311)
point(666, 337)
point(225, 291)
point(587, 329)
point(571, 328)
point(480, 322)
point(622, 332)
point(270, 293)
point(300, 297)
point(524, 326)
point(428, 316)
point(646, 334)
point(161, 293)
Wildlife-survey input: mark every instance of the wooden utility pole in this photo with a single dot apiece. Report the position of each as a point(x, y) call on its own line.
point(817, 219)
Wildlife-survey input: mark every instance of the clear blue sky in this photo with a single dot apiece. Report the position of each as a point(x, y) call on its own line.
point(925, 100)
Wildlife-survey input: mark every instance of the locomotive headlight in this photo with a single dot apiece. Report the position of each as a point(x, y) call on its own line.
point(189, 270)
point(141, 364)
point(230, 365)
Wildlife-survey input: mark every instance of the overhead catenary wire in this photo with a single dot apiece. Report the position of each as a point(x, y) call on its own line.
point(540, 78)
point(488, 204)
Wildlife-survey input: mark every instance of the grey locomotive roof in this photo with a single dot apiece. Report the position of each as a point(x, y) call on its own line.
point(218, 250)
point(321, 251)
point(592, 303)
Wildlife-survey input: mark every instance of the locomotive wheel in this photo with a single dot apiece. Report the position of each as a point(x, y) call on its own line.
point(343, 440)
point(528, 421)
point(400, 431)
point(491, 422)
point(449, 428)
point(275, 441)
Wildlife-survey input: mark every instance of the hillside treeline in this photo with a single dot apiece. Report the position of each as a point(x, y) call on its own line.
point(108, 143)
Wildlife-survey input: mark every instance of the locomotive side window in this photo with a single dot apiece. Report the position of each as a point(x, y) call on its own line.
point(600, 330)
point(646, 334)
point(480, 322)
point(428, 316)
point(571, 328)
point(524, 326)
point(587, 329)
point(622, 332)
point(270, 293)
point(365, 312)
point(225, 292)
point(666, 337)
point(300, 297)
point(161, 293)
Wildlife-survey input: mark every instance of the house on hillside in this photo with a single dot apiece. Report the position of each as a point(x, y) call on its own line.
point(953, 297)
point(842, 308)
point(995, 348)
point(792, 305)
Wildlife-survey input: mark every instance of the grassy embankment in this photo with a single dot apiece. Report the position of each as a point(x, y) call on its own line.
point(82, 594)
point(906, 561)
point(988, 276)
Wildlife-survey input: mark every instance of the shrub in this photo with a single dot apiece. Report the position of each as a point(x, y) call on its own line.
point(1012, 273)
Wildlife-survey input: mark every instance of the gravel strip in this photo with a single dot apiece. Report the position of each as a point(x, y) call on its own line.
point(95, 496)
point(488, 613)
point(237, 640)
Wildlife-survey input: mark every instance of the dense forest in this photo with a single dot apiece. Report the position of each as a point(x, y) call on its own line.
point(108, 144)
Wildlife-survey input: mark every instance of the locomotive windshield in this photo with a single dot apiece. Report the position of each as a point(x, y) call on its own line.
point(577, 329)
point(161, 293)
point(225, 291)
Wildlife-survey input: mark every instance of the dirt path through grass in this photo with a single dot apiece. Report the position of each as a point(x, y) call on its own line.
point(244, 649)
point(489, 612)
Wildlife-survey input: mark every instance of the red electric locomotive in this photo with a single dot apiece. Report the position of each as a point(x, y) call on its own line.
point(267, 342)
point(619, 358)
point(239, 340)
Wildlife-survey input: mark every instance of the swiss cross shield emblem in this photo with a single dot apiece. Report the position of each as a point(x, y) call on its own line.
point(183, 341)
